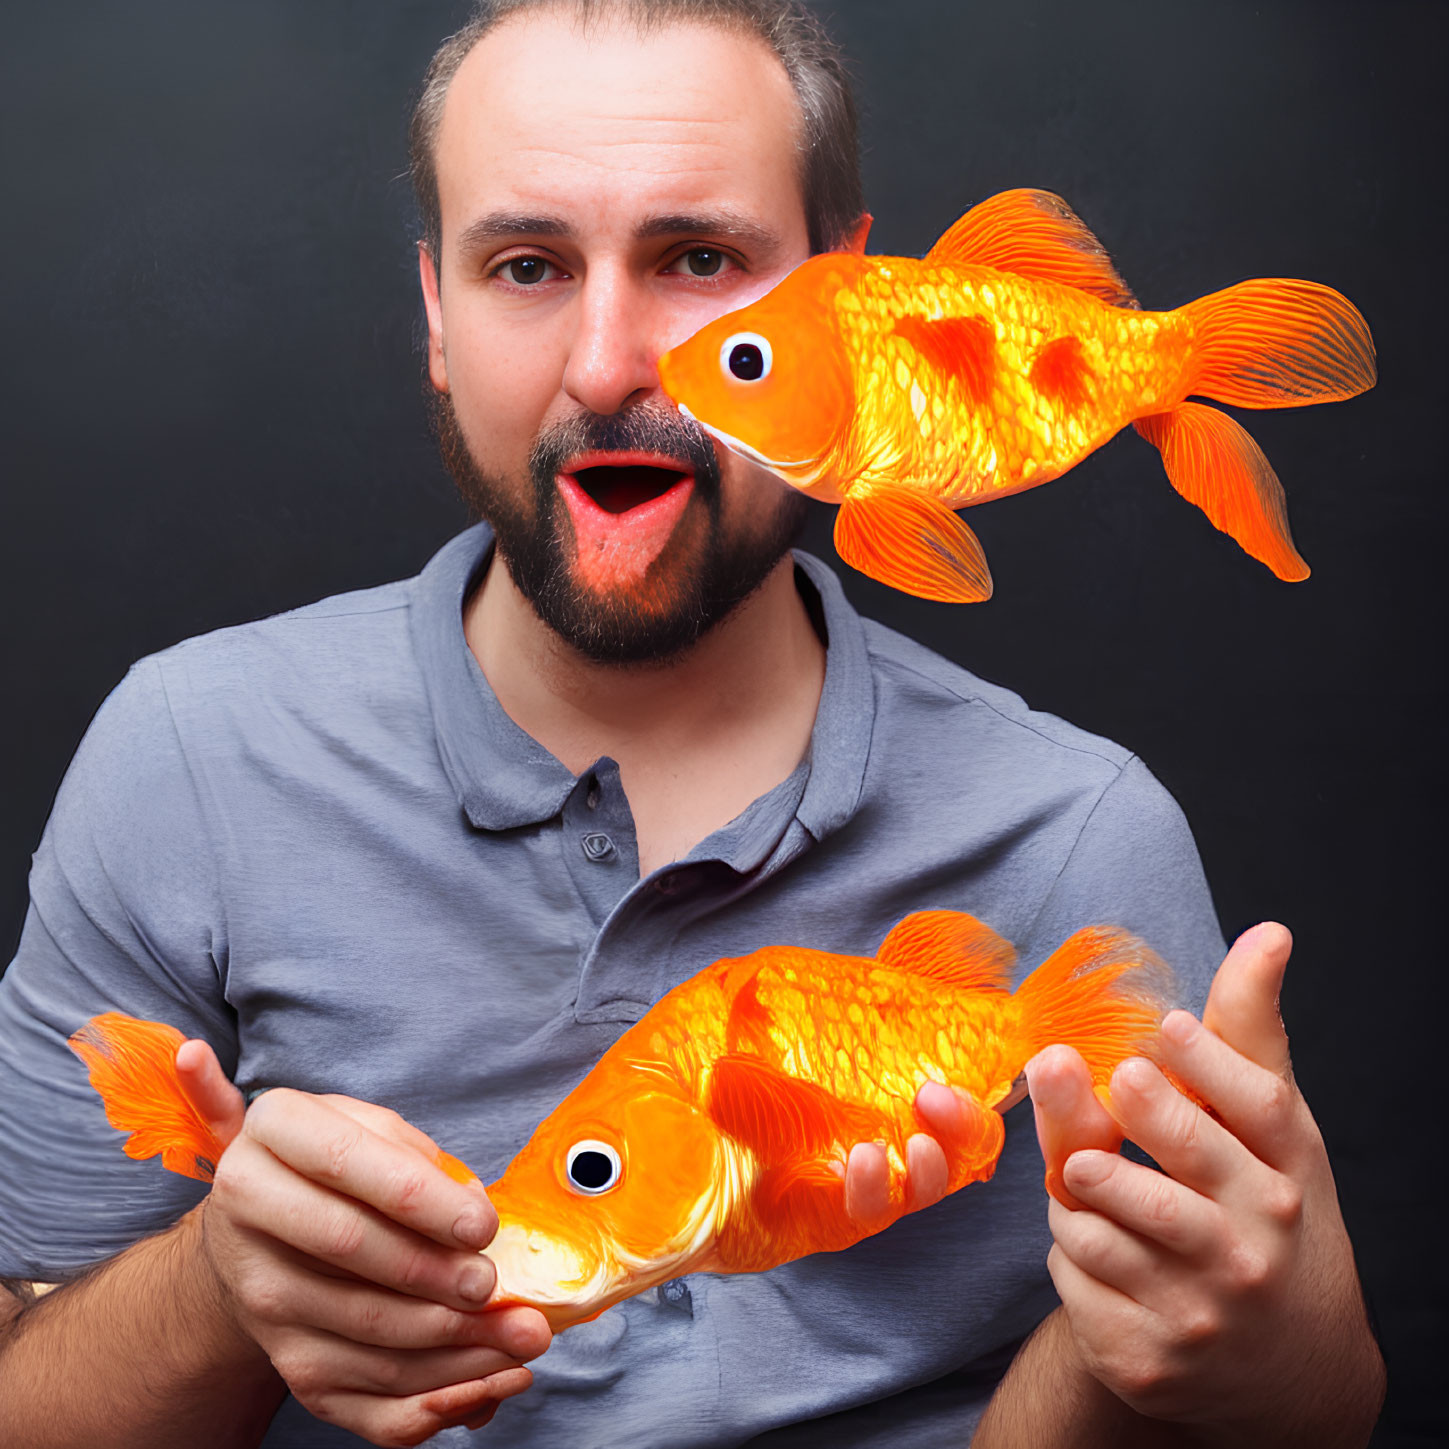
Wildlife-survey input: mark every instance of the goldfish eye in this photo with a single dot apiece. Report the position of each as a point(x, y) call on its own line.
point(746, 356)
point(593, 1167)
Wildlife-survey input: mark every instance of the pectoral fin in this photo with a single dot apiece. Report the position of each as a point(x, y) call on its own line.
point(912, 542)
point(780, 1118)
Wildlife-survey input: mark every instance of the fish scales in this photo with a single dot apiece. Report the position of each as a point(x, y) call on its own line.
point(958, 451)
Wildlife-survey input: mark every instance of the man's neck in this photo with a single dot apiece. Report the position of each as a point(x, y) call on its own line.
point(697, 738)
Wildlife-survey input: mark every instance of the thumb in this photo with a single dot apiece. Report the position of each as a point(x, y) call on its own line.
point(1070, 1115)
point(1242, 1006)
point(215, 1099)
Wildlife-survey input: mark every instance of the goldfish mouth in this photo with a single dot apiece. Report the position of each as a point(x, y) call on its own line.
point(800, 474)
point(554, 1276)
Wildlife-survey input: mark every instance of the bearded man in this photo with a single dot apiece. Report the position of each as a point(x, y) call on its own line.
point(436, 844)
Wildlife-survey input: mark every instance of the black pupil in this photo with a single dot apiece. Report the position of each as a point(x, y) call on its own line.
point(526, 269)
point(704, 263)
point(747, 362)
point(591, 1169)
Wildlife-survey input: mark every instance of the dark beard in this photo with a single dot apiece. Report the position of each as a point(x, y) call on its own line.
point(676, 602)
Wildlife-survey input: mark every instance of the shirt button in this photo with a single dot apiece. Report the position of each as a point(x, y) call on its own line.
point(675, 1294)
point(598, 846)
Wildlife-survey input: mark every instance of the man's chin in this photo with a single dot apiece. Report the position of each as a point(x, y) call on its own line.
point(649, 618)
point(615, 553)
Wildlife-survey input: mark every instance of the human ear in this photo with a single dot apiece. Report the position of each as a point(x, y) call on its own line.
point(432, 301)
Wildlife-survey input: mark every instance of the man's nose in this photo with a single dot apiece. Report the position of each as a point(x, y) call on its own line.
point(614, 359)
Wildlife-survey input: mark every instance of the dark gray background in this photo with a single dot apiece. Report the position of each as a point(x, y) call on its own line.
point(212, 411)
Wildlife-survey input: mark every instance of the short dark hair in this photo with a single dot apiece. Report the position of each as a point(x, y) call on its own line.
point(830, 150)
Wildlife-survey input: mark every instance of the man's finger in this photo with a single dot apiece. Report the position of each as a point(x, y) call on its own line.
point(1184, 1141)
point(927, 1175)
point(1154, 1206)
point(1242, 1006)
point(364, 1313)
point(216, 1100)
point(1259, 1107)
point(1069, 1115)
point(867, 1183)
point(337, 1152)
point(1106, 1251)
point(266, 1202)
point(385, 1419)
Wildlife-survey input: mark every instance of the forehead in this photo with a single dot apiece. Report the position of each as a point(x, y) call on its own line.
point(545, 115)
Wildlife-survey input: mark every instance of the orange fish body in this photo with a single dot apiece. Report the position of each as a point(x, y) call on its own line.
point(712, 1136)
point(907, 389)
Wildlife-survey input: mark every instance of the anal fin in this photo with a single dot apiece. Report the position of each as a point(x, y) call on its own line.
point(912, 542)
point(1215, 464)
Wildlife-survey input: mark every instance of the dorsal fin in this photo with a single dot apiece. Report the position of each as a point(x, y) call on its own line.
point(1033, 234)
point(950, 947)
point(777, 1116)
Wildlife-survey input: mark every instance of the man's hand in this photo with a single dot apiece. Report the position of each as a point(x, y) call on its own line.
point(352, 1260)
point(1222, 1291)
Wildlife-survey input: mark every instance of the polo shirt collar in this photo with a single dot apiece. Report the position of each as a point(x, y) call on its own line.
point(505, 779)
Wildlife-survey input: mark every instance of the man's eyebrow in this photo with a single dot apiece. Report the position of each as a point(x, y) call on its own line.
point(500, 225)
point(727, 226)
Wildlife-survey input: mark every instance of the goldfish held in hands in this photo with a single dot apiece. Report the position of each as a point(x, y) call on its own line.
point(904, 390)
point(713, 1135)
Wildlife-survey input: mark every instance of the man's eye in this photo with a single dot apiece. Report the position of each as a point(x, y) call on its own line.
point(700, 262)
point(524, 271)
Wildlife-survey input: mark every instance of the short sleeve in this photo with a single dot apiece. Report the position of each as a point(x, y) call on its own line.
point(1136, 865)
point(124, 916)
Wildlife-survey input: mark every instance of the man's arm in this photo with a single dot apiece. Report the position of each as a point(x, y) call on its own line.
point(333, 1258)
point(137, 1352)
point(1215, 1303)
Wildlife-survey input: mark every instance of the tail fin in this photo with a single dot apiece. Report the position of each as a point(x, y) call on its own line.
point(1102, 992)
point(1279, 343)
point(1268, 343)
point(132, 1065)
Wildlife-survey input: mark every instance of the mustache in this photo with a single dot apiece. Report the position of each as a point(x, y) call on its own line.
point(645, 427)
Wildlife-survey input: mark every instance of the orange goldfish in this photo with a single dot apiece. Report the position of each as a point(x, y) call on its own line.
point(904, 390)
point(712, 1136)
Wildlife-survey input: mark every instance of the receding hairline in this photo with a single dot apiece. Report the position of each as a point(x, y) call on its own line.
point(827, 146)
point(597, 14)
point(644, 18)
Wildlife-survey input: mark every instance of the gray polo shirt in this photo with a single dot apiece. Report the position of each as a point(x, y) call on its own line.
point(318, 842)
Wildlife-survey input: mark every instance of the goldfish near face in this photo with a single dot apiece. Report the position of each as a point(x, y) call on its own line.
point(904, 390)
point(712, 1136)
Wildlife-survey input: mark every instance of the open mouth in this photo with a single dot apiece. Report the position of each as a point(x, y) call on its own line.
point(624, 509)
point(618, 489)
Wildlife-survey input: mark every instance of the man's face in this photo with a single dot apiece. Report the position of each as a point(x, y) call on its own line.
point(603, 197)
